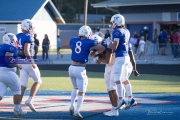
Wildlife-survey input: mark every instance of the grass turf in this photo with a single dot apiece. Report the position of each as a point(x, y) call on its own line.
point(55, 50)
point(59, 80)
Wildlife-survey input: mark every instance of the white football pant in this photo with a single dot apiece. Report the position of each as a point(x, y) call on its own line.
point(109, 78)
point(28, 71)
point(8, 78)
point(78, 77)
point(121, 65)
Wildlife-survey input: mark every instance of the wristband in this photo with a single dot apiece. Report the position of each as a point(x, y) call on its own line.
point(96, 52)
point(95, 58)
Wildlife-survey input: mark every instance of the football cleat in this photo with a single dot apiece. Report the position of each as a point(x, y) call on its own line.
point(121, 104)
point(19, 113)
point(71, 110)
point(77, 114)
point(112, 113)
point(131, 104)
point(107, 112)
point(30, 105)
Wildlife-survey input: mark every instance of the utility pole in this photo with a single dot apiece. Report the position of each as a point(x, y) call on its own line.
point(103, 21)
point(85, 11)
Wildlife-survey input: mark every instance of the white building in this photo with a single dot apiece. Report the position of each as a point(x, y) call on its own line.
point(43, 13)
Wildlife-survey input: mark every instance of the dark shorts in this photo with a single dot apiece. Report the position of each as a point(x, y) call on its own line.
point(162, 44)
point(136, 45)
point(58, 48)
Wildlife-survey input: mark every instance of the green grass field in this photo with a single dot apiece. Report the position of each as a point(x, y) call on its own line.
point(59, 80)
point(55, 50)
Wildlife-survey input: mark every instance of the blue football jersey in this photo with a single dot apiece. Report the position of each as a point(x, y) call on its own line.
point(25, 38)
point(6, 48)
point(122, 35)
point(81, 49)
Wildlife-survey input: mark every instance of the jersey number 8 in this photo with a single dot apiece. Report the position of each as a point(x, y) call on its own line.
point(78, 47)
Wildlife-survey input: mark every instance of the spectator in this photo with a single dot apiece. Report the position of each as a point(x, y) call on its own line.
point(154, 42)
point(145, 34)
point(179, 34)
point(163, 41)
point(176, 43)
point(171, 42)
point(168, 38)
point(142, 45)
point(45, 46)
point(36, 45)
point(98, 32)
point(159, 39)
point(137, 43)
point(107, 35)
point(58, 47)
point(93, 31)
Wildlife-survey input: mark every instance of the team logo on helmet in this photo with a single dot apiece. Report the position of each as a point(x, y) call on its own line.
point(11, 37)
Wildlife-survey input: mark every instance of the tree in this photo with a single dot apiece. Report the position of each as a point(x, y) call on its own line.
point(69, 9)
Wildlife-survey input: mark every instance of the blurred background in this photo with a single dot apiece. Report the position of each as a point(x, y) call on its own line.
point(63, 18)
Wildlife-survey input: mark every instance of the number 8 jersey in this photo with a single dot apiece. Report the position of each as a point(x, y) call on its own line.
point(25, 38)
point(81, 49)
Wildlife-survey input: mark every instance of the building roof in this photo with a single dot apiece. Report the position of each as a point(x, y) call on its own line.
point(117, 3)
point(14, 11)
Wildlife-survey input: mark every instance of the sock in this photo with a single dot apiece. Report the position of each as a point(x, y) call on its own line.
point(124, 92)
point(73, 96)
point(17, 107)
point(79, 102)
point(30, 99)
point(120, 90)
point(129, 91)
point(114, 108)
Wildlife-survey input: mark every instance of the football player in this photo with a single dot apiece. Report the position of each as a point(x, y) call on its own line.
point(120, 37)
point(109, 75)
point(80, 47)
point(8, 77)
point(25, 51)
point(108, 58)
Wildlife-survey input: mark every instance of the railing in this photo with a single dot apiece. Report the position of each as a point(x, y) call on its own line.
point(151, 55)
